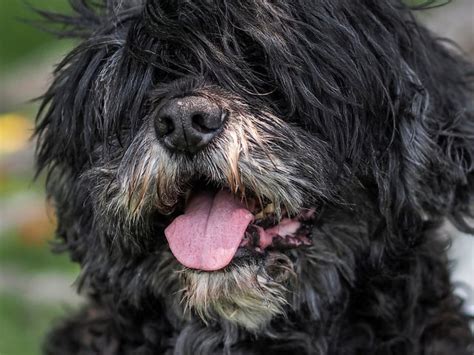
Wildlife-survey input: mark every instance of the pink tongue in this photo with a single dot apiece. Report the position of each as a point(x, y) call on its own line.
point(207, 235)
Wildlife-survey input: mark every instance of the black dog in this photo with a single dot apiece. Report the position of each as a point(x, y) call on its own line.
point(258, 177)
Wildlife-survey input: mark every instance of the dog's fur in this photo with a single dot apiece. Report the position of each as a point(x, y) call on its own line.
point(347, 106)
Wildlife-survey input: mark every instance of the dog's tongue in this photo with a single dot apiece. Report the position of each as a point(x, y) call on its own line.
point(207, 235)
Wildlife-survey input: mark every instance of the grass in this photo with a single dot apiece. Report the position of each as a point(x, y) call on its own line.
point(24, 325)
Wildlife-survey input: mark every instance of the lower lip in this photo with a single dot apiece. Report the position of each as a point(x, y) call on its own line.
point(243, 252)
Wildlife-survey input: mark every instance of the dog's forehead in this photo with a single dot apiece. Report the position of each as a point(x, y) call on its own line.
point(222, 14)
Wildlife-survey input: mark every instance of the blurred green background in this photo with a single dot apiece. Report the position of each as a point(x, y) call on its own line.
point(36, 287)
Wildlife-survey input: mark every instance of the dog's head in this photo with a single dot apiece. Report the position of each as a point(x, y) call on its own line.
point(236, 159)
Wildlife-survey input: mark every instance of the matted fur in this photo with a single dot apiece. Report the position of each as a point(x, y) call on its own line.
point(348, 107)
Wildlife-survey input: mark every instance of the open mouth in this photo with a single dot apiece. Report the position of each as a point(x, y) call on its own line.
point(217, 226)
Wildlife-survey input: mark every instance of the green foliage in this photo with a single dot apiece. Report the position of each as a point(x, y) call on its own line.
point(19, 184)
point(32, 258)
point(18, 38)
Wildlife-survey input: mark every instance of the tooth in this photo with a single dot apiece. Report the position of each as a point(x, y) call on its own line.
point(270, 208)
point(259, 215)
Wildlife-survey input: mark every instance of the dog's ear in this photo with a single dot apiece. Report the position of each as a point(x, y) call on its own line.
point(97, 88)
point(427, 170)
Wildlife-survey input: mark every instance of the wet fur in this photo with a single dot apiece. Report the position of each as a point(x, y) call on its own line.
point(347, 106)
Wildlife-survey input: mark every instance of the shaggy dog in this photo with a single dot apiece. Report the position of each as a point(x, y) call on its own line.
point(258, 177)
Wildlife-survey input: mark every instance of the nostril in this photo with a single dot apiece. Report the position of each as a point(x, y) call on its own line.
point(201, 123)
point(165, 125)
point(207, 122)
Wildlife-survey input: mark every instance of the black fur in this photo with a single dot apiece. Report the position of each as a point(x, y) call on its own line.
point(379, 119)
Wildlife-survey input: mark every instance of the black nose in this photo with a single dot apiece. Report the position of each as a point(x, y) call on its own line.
point(189, 123)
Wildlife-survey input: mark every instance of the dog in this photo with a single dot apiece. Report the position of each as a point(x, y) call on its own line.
point(258, 177)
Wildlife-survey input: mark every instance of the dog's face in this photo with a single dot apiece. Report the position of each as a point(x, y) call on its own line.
point(196, 146)
point(218, 173)
point(226, 184)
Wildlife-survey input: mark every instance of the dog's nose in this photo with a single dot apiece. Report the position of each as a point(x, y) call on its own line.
point(189, 123)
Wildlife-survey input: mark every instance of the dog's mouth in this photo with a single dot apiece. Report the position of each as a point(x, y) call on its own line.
point(216, 226)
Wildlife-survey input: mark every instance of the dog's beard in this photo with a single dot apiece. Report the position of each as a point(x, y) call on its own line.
point(253, 158)
point(249, 293)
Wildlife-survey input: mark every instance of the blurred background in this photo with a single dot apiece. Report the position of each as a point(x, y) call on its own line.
point(37, 287)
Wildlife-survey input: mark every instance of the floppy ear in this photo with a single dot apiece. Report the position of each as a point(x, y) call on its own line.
point(92, 94)
point(428, 170)
point(60, 125)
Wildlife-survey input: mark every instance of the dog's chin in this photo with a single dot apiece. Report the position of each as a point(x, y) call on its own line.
point(249, 285)
point(249, 292)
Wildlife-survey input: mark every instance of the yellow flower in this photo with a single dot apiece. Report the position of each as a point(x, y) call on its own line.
point(15, 132)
